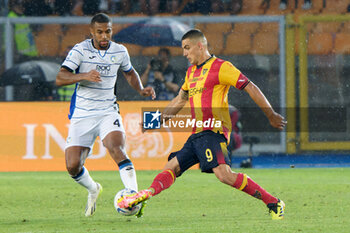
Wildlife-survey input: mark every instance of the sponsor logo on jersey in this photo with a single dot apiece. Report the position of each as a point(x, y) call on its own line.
point(195, 91)
point(196, 79)
point(103, 69)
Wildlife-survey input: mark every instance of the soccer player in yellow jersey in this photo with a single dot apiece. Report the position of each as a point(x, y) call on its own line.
point(206, 86)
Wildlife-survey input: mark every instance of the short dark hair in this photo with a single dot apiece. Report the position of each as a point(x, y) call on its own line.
point(193, 34)
point(100, 18)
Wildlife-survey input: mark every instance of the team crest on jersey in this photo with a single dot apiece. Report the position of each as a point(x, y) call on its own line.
point(205, 71)
point(103, 69)
point(113, 59)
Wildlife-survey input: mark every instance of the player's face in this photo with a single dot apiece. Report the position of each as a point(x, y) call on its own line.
point(101, 34)
point(191, 50)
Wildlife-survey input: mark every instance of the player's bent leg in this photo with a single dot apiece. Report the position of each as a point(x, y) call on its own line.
point(75, 157)
point(247, 185)
point(115, 143)
point(244, 183)
point(173, 164)
point(224, 173)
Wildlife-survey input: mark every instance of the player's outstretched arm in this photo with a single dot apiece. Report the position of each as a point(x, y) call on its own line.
point(134, 80)
point(276, 120)
point(176, 104)
point(65, 77)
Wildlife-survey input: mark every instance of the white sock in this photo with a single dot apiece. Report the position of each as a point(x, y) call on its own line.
point(85, 180)
point(128, 174)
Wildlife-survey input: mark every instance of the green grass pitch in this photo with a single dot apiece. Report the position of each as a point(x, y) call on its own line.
point(317, 200)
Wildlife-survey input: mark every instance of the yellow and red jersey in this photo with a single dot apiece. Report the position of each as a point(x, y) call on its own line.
point(207, 86)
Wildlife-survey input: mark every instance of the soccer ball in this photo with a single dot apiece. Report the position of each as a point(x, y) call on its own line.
point(128, 211)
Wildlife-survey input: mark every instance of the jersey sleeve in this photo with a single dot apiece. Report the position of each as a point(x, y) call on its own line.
point(230, 75)
point(126, 63)
point(74, 58)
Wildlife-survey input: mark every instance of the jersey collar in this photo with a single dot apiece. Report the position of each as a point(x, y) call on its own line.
point(199, 66)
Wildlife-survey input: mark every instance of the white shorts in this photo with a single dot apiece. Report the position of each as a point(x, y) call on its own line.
point(83, 132)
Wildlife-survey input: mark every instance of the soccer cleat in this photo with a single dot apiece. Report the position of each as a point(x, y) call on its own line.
point(91, 202)
point(277, 210)
point(140, 213)
point(131, 200)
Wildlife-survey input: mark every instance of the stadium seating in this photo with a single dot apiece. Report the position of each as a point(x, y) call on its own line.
point(272, 11)
point(175, 51)
point(320, 43)
point(192, 14)
point(134, 50)
point(153, 51)
point(317, 6)
point(261, 38)
point(345, 27)
point(150, 51)
point(238, 43)
point(48, 40)
point(246, 27)
point(251, 7)
point(164, 14)
point(75, 34)
point(309, 27)
point(117, 27)
point(298, 14)
point(137, 15)
point(335, 7)
point(342, 43)
point(274, 8)
point(201, 26)
point(215, 41)
point(269, 27)
point(218, 27)
point(331, 27)
point(265, 43)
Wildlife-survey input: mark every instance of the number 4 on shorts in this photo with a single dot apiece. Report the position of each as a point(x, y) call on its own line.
point(117, 123)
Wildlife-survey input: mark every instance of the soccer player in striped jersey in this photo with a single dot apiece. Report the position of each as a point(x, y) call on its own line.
point(206, 87)
point(92, 66)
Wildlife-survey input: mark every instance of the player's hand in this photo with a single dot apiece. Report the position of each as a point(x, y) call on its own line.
point(277, 121)
point(148, 91)
point(93, 76)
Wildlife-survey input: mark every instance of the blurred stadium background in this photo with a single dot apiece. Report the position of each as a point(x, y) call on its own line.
point(298, 56)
